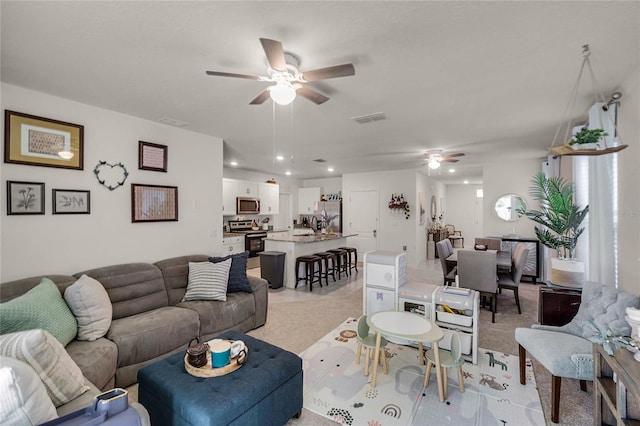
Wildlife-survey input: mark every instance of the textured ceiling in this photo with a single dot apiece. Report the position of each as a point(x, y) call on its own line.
point(490, 79)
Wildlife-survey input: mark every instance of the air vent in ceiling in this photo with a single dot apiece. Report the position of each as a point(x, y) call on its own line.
point(172, 122)
point(320, 160)
point(369, 118)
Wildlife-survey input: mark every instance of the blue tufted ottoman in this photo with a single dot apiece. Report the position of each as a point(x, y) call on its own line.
point(266, 390)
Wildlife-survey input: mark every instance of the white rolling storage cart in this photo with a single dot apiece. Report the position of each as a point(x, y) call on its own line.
point(384, 272)
point(456, 310)
point(417, 298)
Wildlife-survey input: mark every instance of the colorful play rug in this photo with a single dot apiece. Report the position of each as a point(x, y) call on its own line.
point(336, 388)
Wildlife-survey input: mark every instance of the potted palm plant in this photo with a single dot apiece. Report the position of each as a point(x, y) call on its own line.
point(588, 138)
point(561, 226)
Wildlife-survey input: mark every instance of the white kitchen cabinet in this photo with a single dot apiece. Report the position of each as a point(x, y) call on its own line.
point(307, 197)
point(269, 195)
point(232, 245)
point(247, 189)
point(229, 194)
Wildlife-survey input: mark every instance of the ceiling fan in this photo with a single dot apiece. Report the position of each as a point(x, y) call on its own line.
point(284, 71)
point(434, 157)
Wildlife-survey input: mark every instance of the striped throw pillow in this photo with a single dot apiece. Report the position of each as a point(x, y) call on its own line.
point(207, 281)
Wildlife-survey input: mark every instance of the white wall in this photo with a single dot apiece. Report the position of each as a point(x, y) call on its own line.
point(629, 186)
point(503, 178)
point(394, 231)
point(66, 244)
point(463, 210)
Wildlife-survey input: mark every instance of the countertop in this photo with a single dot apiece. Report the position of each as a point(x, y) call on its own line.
point(240, 234)
point(307, 238)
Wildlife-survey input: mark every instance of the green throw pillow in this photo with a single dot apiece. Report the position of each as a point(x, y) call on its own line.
point(41, 307)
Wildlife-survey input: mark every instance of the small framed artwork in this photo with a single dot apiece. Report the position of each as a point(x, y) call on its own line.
point(71, 201)
point(154, 203)
point(39, 141)
point(25, 197)
point(152, 156)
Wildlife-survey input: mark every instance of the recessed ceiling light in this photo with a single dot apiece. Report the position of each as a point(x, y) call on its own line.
point(452, 170)
point(466, 182)
point(279, 158)
point(288, 173)
point(233, 163)
point(330, 169)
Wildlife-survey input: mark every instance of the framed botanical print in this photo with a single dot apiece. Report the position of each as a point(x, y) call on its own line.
point(71, 201)
point(39, 141)
point(25, 198)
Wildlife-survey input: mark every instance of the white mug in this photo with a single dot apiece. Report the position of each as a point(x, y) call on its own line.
point(236, 347)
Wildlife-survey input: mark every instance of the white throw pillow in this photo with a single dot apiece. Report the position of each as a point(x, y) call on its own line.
point(61, 377)
point(207, 281)
point(23, 397)
point(90, 304)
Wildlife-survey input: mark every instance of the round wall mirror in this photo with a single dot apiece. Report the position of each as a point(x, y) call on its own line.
point(434, 208)
point(508, 205)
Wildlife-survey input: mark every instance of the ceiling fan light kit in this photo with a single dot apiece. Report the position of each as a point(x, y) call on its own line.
point(290, 81)
point(566, 148)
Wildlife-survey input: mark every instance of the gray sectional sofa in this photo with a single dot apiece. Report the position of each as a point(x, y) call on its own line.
point(149, 319)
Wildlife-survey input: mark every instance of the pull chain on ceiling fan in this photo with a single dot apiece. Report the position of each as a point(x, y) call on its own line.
point(290, 81)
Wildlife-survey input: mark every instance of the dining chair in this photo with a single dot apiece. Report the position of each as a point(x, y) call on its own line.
point(448, 359)
point(369, 342)
point(454, 235)
point(477, 271)
point(567, 351)
point(511, 280)
point(449, 270)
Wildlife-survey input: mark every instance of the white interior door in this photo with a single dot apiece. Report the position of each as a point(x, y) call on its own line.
point(363, 219)
point(284, 218)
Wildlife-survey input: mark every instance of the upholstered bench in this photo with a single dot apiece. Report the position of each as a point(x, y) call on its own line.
point(266, 390)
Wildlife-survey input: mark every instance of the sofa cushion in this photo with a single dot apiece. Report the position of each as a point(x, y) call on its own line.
point(91, 306)
point(238, 272)
point(61, 376)
point(41, 307)
point(132, 287)
point(219, 316)
point(153, 333)
point(208, 281)
point(175, 271)
point(13, 289)
point(23, 397)
point(97, 360)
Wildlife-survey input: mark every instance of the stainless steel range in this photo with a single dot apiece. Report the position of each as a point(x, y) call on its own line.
point(253, 239)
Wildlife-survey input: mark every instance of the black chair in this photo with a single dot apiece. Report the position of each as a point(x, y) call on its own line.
point(311, 274)
point(353, 262)
point(343, 261)
point(326, 257)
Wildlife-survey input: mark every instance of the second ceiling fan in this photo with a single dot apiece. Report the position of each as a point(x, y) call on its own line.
point(284, 71)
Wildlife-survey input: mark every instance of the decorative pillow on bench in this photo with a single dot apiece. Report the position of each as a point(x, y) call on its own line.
point(238, 273)
point(207, 281)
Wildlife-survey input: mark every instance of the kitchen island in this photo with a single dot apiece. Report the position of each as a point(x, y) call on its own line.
point(302, 245)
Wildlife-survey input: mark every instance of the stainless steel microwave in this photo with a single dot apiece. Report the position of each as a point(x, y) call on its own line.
point(246, 205)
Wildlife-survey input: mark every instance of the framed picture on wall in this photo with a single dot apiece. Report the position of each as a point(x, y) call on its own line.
point(25, 198)
point(39, 141)
point(71, 201)
point(154, 203)
point(152, 156)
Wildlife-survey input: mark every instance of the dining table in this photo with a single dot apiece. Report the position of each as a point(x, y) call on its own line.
point(503, 258)
point(409, 327)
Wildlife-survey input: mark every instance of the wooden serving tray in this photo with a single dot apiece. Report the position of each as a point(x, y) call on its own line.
point(208, 371)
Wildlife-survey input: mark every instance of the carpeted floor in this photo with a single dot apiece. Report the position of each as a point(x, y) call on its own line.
point(298, 318)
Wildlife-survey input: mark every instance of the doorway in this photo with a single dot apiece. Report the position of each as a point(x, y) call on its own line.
point(363, 219)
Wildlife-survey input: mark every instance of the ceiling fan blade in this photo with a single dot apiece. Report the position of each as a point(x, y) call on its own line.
point(230, 74)
point(312, 95)
point(449, 160)
point(275, 54)
point(457, 154)
point(343, 70)
point(261, 98)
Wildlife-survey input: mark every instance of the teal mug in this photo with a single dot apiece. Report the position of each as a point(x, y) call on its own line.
point(223, 350)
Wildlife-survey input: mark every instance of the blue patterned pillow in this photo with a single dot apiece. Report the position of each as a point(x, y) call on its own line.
point(238, 273)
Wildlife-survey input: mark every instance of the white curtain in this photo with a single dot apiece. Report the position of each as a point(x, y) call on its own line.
point(596, 179)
